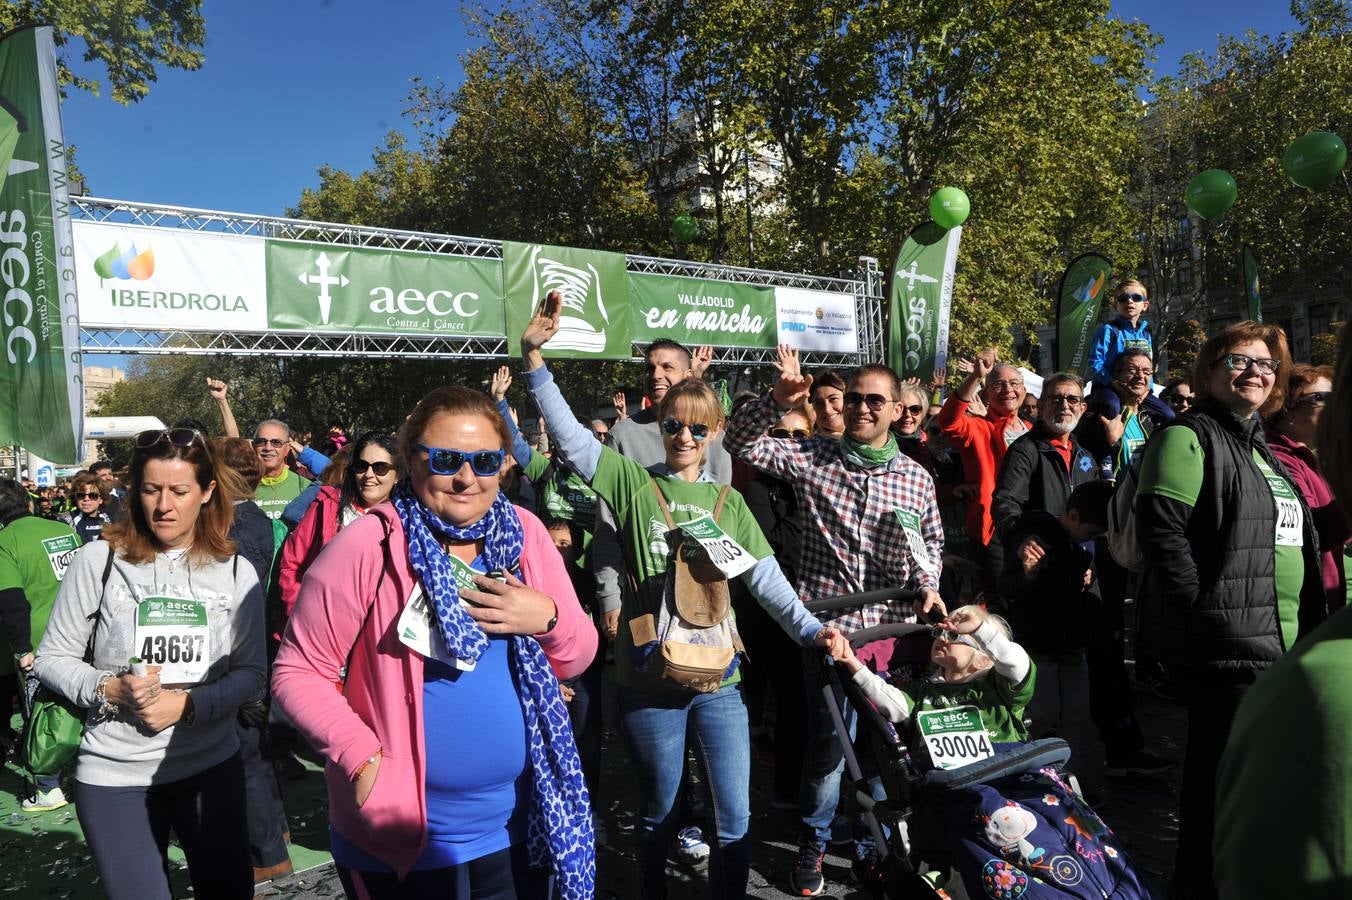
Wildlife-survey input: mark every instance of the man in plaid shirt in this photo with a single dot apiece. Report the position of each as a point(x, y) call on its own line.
point(871, 520)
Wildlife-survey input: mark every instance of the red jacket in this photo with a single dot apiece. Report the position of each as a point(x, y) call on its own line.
point(1329, 522)
point(982, 444)
point(317, 528)
point(380, 706)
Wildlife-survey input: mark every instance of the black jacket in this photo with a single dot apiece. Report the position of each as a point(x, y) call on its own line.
point(1208, 596)
point(1033, 476)
point(1052, 611)
point(774, 505)
point(251, 531)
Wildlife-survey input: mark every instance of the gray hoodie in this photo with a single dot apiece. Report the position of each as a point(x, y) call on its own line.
point(119, 751)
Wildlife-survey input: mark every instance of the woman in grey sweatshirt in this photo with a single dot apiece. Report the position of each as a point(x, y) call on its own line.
point(159, 750)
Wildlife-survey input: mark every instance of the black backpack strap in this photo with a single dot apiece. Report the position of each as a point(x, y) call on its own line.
point(103, 589)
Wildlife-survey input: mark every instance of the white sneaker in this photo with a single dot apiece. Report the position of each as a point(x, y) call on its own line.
point(690, 845)
point(45, 801)
point(599, 830)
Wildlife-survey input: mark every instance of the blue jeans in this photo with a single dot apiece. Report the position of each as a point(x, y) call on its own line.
point(654, 727)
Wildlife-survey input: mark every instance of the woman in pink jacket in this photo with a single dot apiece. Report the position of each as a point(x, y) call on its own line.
point(368, 481)
point(421, 660)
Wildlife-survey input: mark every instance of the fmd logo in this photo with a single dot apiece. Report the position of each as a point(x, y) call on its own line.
point(795, 326)
point(323, 280)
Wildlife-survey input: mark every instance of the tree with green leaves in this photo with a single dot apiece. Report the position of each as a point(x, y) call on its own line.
point(130, 39)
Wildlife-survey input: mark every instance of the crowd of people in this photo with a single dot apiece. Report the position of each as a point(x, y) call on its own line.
point(431, 611)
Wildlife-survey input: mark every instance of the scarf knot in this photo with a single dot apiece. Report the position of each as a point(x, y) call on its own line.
point(866, 456)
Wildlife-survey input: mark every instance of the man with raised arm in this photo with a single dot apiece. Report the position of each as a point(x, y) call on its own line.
point(871, 521)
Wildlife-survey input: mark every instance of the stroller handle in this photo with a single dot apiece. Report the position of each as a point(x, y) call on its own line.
point(867, 598)
point(883, 632)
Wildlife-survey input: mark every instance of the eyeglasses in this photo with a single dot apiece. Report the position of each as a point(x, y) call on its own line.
point(790, 433)
point(1137, 370)
point(1064, 400)
point(87, 496)
point(1130, 298)
point(698, 430)
point(379, 469)
point(1179, 399)
point(603, 436)
point(1238, 362)
point(914, 410)
point(446, 461)
point(1318, 398)
point(270, 442)
point(875, 401)
point(179, 437)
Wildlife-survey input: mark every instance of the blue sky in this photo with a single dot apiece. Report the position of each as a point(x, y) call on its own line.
point(289, 86)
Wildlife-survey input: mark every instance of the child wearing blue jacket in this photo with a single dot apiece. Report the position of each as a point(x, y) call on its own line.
point(1126, 330)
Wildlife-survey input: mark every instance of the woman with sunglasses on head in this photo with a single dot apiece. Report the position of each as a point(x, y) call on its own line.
point(1230, 579)
point(445, 618)
point(368, 480)
point(88, 517)
point(165, 590)
point(1292, 436)
point(656, 715)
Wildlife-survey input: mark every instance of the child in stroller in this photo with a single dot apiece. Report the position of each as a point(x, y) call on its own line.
point(973, 798)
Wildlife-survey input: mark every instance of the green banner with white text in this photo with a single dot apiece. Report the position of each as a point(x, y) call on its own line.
point(1078, 301)
point(41, 395)
point(322, 287)
point(1253, 293)
point(696, 311)
point(595, 320)
point(921, 296)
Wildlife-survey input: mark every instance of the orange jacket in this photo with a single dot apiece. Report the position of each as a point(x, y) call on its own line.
point(982, 444)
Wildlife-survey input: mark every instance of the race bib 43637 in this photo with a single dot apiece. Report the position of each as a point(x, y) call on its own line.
point(173, 633)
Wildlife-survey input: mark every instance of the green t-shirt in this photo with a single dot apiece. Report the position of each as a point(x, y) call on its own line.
point(34, 554)
point(626, 487)
point(1173, 469)
point(1284, 785)
point(567, 498)
point(273, 496)
point(1000, 702)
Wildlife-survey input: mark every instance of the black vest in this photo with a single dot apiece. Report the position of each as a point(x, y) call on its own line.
point(1233, 624)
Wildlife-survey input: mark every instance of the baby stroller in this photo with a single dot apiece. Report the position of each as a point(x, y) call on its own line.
point(1009, 826)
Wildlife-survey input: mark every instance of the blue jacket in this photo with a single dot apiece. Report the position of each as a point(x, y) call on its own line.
point(1110, 339)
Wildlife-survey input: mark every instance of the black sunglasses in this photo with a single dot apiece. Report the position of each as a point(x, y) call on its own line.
point(914, 410)
point(698, 430)
point(789, 433)
point(1318, 398)
point(446, 461)
point(875, 401)
point(179, 437)
point(270, 442)
point(1180, 399)
point(1131, 298)
point(381, 469)
point(87, 496)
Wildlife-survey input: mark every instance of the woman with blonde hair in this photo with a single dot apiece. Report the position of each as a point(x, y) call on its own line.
point(165, 591)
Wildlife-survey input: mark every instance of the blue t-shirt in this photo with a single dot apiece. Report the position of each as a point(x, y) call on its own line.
point(478, 773)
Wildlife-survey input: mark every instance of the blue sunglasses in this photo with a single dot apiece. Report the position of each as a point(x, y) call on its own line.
point(698, 430)
point(445, 461)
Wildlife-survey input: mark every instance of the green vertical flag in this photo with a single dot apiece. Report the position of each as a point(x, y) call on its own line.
point(1078, 301)
point(41, 398)
point(1252, 293)
point(595, 286)
point(921, 296)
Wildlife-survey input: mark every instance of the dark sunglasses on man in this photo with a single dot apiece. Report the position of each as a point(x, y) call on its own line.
point(875, 402)
point(277, 443)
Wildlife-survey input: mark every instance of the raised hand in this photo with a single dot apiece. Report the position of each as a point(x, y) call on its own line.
point(940, 377)
point(621, 404)
point(700, 360)
point(1114, 428)
point(788, 361)
point(217, 388)
point(1031, 553)
point(542, 326)
point(502, 380)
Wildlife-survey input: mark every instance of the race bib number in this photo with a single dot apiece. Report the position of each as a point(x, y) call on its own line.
point(417, 627)
point(1290, 517)
point(731, 558)
point(173, 633)
point(60, 550)
point(910, 524)
point(954, 737)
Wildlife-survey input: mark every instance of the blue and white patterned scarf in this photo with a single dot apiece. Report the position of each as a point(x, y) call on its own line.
point(558, 823)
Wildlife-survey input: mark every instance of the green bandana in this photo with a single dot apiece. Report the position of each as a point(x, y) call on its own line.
point(866, 456)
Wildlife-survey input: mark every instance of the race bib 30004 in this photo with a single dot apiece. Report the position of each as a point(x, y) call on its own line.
point(954, 737)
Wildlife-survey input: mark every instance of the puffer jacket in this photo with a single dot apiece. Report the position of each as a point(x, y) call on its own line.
point(1208, 596)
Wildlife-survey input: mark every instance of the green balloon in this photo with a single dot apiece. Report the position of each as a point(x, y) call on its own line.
point(1211, 193)
point(684, 229)
point(949, 207)
point(1314, 160)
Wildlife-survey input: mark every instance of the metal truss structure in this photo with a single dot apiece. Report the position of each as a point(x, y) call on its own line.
point(867, 291)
